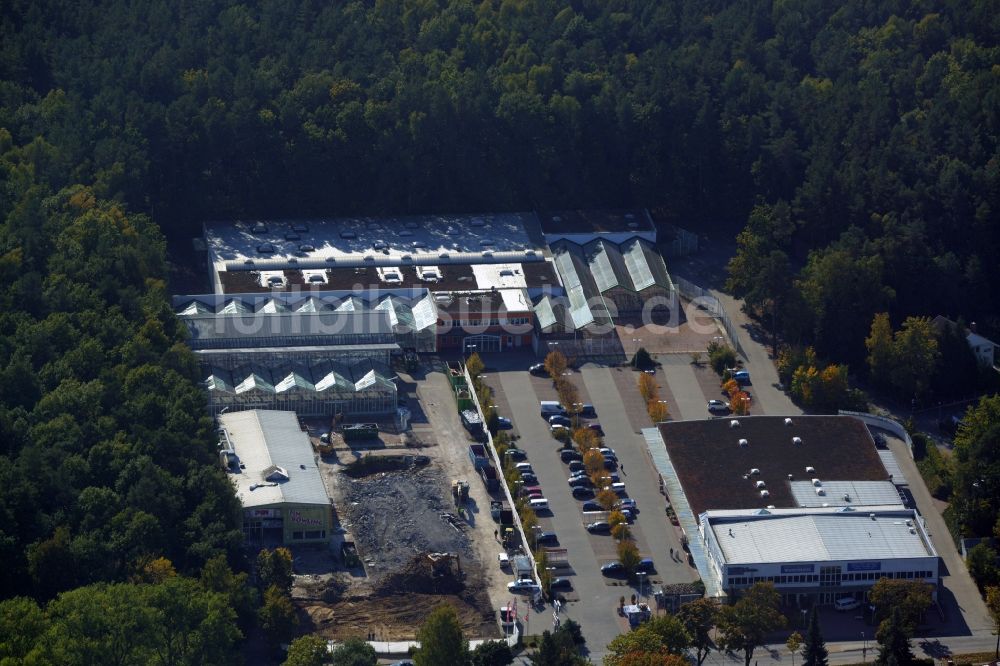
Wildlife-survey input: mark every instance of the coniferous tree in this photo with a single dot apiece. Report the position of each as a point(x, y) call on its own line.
point(814, 651)
point(894, 644)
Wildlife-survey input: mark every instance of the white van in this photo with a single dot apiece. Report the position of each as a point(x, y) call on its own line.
point(550, 408)
point(538, 504)
point(846, 604)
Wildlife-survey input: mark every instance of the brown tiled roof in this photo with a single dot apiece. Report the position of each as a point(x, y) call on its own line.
point(711, 464)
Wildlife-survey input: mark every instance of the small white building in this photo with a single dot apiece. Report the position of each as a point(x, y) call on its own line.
point(983, 348)
point(822, 553)
point(274, 473)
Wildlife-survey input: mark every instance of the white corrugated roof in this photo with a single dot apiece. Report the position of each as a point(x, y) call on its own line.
point(861, 493)
point(266, 439)
point(832, 535)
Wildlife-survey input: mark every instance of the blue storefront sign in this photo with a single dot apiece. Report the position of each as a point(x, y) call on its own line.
point(797, 568)
point(864, 566)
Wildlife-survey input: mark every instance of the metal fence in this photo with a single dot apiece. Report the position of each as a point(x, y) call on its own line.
point(683, 244)
point(503, 480)
point(712, 306)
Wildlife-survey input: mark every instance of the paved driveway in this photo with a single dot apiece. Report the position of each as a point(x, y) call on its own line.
point(596, 609)
point(638, 474)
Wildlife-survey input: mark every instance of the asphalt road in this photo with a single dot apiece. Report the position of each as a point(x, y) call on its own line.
point(595, 611)
point(639, 477)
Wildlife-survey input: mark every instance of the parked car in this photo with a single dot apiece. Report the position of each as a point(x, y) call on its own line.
point(559, 419)
point(610, 463)
point(608, 452)
point(645, 566)
point(846, 604)
point(529, 477)
point(538, 504)
point(504, 423)
point(516, 454)
point(742, 377)
point(718, 406)
point(581, 492)
point(534, 493)
point(526, 585)
point(588, 411)
point(629, 504)
point(546, 537)
point(596, 427)
point(523, 467)
point(592, 506)
point(557, 427)
point(579, 482)
point(570, 456)
point(577, 466)
point(538, 370)
point(599, 527)
point(612, 568)
point(560, 584)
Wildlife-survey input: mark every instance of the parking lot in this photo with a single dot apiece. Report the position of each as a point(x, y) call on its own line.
point(518, 394)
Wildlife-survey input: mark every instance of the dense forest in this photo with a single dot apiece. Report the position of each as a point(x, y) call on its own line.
point(856, 139)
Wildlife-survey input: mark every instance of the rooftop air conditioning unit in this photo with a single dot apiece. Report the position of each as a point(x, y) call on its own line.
point(744, 443)
point(765, 494)
point(760, 484)
point(820, 491)
point(810, 470)
point(755, 471)
point(734, 423)
point(817, 483)
point(788, 422)
point(872, 516)
point(790, 477)
point(797, 441)
point(847, 497)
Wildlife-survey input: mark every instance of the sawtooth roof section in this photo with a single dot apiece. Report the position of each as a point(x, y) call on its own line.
point(645, 265)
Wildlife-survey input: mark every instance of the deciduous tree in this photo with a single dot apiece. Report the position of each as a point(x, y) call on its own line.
point(699, 617)
point(744, 626)
point(441, 639)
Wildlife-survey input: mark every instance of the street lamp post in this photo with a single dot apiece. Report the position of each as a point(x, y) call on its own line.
point(864, 649)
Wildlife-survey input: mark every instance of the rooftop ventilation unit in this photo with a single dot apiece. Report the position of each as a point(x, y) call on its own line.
point(300, 227)
point(771, 506)
point(419, 243)
point(797, 441)
point(788, 422)
point(755, 471)
point(734, 423)
point(444, 255)
point(744, 443)
point(810, 470)
point(348, 234)
point(760, 484)
point(260, 228)
point(556, 218)
point(380, 245)
point(909, 523)
point(820, 491)
point(872, 516)
point(765, 494)
point(913, 530)
point(847, 498)
point(817, 483)
point(790, 477)
point(410, 224)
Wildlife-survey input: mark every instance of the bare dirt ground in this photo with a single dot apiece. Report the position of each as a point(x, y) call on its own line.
point(396, 511)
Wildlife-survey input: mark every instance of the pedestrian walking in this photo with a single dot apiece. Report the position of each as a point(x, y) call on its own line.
point(496, 535)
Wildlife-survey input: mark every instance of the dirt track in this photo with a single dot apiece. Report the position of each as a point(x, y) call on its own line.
point(393, 617)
